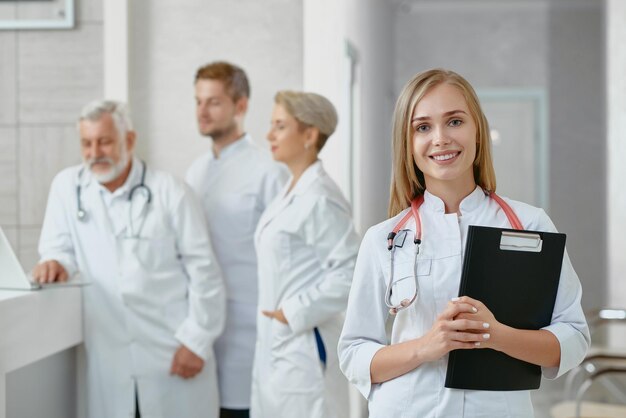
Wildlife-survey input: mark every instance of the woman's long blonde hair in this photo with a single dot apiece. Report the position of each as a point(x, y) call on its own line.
point(407, 181)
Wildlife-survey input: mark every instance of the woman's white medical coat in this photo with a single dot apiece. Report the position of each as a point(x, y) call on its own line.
point(307, 248)
point(421, 392)
point(148, 293)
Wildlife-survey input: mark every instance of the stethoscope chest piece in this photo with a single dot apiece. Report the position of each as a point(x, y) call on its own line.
point(81, 215)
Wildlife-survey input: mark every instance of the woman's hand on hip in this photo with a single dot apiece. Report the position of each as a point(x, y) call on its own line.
point(278, 315)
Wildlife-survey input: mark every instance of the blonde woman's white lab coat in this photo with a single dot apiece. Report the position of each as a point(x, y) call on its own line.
point(234, 190)
point(421, 392)
point(307, 249)
point(152, 289)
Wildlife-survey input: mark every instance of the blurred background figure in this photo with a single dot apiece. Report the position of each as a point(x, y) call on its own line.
point(155, 303)
point(235, 181)
point(306, 246)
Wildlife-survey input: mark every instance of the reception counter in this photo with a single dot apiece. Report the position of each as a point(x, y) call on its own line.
point(35, 326)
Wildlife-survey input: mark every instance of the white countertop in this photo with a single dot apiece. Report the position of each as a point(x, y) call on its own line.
point(35, 324)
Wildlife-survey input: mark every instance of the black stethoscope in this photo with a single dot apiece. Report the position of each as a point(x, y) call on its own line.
point(81, 214)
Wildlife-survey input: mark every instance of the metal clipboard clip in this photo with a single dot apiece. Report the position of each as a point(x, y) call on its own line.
point(521, 241)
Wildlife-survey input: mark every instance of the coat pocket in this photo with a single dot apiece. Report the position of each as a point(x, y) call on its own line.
point(406, 277)
point(295, 360)
point(150, 254)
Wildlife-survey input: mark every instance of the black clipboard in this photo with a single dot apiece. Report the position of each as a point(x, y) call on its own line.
point(516, 275)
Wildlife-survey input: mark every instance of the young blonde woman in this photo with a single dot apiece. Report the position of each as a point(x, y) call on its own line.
point(306, 247)
point(442, 160)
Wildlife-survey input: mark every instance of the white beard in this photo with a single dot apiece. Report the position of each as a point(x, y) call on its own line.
point(115, 170)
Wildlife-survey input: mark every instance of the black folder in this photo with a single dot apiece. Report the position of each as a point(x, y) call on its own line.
point(516, 275)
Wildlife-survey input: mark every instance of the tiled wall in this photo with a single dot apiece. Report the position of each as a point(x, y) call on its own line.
point(45, 78)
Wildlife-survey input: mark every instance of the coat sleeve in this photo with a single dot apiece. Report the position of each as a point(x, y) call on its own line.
point(206, 292)
point(364, 331)
point(568, 320)
point(56, 242)
point(329, 231)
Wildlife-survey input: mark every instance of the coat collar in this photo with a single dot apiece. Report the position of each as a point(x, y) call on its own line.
point(232, 149)
point(468, 204)
point(312, 173)
point(284, 199)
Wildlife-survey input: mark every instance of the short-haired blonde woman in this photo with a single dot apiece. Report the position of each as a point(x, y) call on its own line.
point(306, 247)
point(442, 160)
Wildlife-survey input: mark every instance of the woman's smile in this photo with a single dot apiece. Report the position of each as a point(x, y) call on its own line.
point(445, 158)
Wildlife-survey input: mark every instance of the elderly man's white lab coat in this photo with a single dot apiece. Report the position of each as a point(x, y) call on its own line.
point(234, 190)
point(307, 248)
point(155, 286)
point(421, 392)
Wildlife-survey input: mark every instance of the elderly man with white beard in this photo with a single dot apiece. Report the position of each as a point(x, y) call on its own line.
point(156, 302)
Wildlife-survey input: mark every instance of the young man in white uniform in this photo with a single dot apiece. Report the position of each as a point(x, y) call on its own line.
point(235, 181)
point(156, 300)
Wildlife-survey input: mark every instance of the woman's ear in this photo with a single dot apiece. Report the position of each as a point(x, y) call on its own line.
point(312, 136)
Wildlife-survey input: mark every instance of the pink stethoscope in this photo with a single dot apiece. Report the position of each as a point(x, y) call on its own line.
point(414, 213)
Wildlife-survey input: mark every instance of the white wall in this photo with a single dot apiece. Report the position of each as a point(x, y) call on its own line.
point(616, 149)
point(367, 25)
point(371, 31)
point(323, 49)
point(578, 140)
point(491, 43)
point(170, 39)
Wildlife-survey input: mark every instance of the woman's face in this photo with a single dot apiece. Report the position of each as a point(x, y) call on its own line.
point(444, 137)
point(286, 139)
